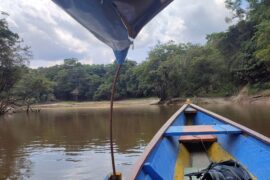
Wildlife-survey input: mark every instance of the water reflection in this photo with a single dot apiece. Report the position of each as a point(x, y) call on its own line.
point(69, 143)
point(74, 143)
point(256, 117)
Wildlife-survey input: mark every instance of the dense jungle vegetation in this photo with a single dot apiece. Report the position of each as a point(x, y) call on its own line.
point(228, 61)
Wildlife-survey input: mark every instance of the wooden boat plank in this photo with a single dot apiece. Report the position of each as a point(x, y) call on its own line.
point(198, 128)
point(201, 129)
point(197, 138)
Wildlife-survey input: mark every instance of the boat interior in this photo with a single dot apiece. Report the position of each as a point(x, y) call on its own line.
point(196, 156)
point(194, 139)
point(197, 151)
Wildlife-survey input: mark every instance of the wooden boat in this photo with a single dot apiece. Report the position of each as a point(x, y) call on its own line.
point(193, 137)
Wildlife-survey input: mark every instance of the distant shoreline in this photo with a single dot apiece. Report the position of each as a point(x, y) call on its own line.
point(220, 100)
point(240, 99)
point(97, 104)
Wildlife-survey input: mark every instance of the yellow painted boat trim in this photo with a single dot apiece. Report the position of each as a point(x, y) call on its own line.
point(217, 153)
point(181, 162)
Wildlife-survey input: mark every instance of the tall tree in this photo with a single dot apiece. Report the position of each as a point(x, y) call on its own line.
point(13, 56)
point(33, 88)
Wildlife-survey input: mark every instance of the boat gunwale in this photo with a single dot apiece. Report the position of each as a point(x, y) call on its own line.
point(149, 148)
point(242, 127)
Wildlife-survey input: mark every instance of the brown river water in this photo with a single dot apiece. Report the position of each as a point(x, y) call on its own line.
point(73, 143)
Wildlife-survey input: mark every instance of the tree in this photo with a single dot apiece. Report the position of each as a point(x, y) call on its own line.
point(71, 76)
point(156, 71)
point(246, 44)
point(33, 88)
point(13, 58)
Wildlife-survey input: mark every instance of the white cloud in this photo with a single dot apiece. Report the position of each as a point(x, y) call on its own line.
point(44, 63)
point(66, 38)
point(53, 35)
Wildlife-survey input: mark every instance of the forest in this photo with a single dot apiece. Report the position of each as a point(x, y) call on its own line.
point(228, 61)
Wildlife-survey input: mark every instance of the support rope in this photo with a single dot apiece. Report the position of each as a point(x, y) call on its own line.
point(111, 117)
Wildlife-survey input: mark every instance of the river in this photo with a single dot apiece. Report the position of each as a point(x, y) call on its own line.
point(73, 143)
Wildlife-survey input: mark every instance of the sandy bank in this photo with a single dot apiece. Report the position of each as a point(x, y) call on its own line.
point(245, 97)
point(260, 100)
point(242, 98)
point(98, 104)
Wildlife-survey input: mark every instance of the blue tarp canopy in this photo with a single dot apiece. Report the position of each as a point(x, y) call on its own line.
point(114, 22)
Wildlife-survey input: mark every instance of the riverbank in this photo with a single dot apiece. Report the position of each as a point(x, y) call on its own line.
point(240, 99)
point(98, 104)
point(220, 100)
point(245, 96)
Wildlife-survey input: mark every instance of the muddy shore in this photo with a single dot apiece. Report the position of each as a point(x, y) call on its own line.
point(98, 104)
point(241, 100)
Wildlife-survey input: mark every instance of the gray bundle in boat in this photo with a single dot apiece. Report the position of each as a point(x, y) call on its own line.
point(226, 170)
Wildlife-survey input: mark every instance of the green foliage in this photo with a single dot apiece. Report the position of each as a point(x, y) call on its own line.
point(12, 60)
point(262, 88)
point(246, 44)
point(262, 37)
point(12, 57)
point(33, 87)
point(236, 7)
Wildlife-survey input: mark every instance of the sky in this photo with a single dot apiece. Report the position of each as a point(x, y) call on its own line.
point(53, 35)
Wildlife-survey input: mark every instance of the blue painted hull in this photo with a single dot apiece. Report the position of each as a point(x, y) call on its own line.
point(249, 148)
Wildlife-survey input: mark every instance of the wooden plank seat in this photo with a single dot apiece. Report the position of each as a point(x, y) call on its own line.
point(201, 130)
point(197, 138)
